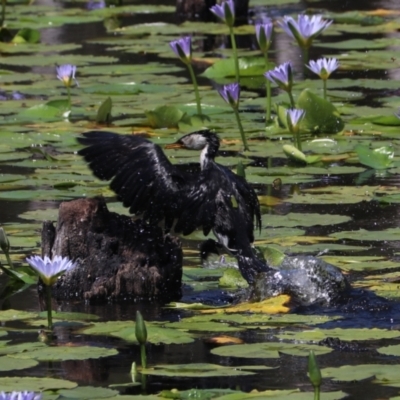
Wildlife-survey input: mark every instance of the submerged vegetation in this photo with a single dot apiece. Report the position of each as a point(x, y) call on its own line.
point(324, 160)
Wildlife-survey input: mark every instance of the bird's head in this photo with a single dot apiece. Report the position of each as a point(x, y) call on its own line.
point(197, 141)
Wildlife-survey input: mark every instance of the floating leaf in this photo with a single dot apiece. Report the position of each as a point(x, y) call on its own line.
point(62, 353)
point(363, 234)
point(88, 392)
point(17, 383)
point(232, 278)
point(196, 370)
point(15, 315)
point(303, 219)
point(269, 350)
point(321, 116)
point(164, 117)
point(8, 363)
point(380, 158)
point(317, 335)
point(126, 330)
point(248, 66)
point(349, 373)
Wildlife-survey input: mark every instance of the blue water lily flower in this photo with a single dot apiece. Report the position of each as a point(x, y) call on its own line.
point(282, 76)
point(305, 29)
point(49, 270)
point(264, 35)
point(225, 12)
point(323, 67)
point(20, 396)
point(183, 48)
point(294, 116)
point(66, 74)
point(231, 93)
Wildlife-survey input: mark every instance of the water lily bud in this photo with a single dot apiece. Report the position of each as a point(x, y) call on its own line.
point(225, 12)
point(264, 35)
point(314, 373)
point(140, 329)
point(293, 118)
point(231, 94)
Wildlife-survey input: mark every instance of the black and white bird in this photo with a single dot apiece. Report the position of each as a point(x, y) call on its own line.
point(213, 199)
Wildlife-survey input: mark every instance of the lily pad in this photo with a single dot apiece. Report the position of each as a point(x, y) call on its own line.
point(321, 116)
point(316, 335)
point(196, 370)
point(248, 66)
point(349, 373)
point(88, 392)
point(380, 158)
point(62, 353)
point(8, 363)
point(9, 384)
point(269, 350)
point(363, 234)
point(126, 330)
point(15, 315)
point(303, 219)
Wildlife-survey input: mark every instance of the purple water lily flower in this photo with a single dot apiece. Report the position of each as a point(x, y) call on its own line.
point(294, 116)
point(323, 67)
point(66, 74)
point(264, 35)
point(49, 270)
point(305, 29)
point(20, 396)
point(282, 76)
point(231, 93)
point(183, 48)
point(225, 12)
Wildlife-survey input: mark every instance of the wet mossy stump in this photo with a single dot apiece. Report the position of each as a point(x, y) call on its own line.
point(117, 258)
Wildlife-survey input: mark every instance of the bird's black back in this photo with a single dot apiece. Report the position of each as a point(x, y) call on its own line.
point(145, 181)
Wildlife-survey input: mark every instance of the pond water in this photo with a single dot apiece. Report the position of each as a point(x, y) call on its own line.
point(342, 205)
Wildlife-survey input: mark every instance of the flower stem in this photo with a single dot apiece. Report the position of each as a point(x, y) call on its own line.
point(48, 305)
point(235, 55)
point(239, 122)
point(143, 356)
point(9, 262)
point(317, 391)
point(297, 139)
point(268, 93)
point(325, 85)
point(292, 105)
point(196, 88)
point(69, 97)
point(305, 57)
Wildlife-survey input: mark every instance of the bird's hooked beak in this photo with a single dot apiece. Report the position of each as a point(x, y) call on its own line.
point(176, 145)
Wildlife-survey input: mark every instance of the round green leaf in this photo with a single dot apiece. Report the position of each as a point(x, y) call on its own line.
point(268, 350)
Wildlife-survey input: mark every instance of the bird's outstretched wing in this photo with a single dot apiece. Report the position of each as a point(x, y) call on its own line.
point(142, 176)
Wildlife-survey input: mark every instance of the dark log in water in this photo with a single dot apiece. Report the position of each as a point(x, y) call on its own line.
point(118, 258)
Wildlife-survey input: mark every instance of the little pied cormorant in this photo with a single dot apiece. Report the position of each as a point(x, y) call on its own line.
point(213, 199)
